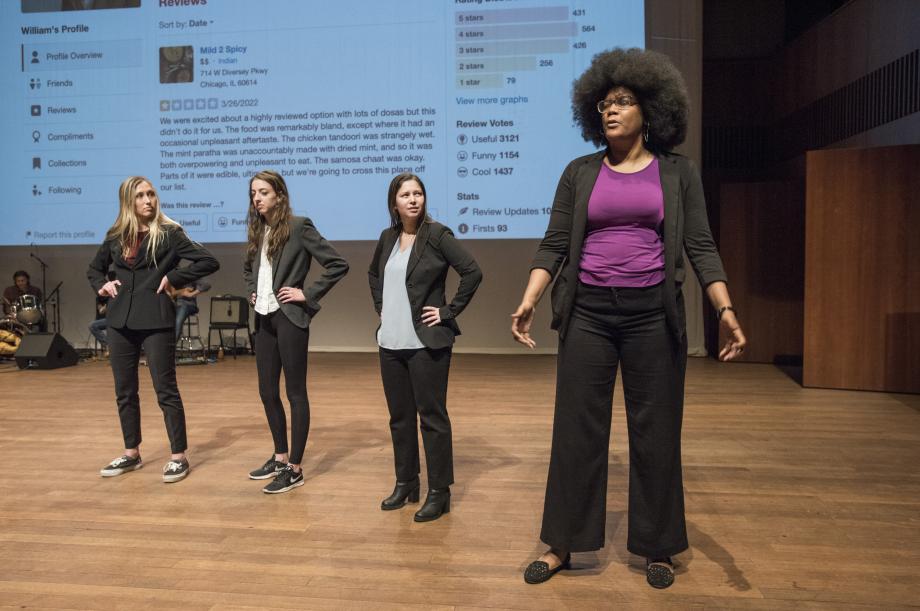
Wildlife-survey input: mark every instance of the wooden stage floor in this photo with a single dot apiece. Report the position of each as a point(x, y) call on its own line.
point(796, 498)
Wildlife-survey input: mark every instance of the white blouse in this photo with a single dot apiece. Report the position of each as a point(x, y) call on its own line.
point(265, 296)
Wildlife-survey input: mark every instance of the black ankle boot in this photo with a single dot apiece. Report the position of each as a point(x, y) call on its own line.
point(436, 504)
point(404, 491)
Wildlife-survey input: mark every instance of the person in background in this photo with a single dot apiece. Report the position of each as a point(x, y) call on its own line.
point(22, 285)
point(98, 326)
point(187, 302)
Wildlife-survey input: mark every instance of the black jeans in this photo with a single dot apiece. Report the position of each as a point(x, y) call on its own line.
point(415, 381)
point(282, 345)
point(124, 354)
point(612, 327)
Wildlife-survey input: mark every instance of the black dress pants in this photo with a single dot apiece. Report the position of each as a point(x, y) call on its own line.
point(415, 381)
point(609, 328)
point(159, 346)
point(282, 345)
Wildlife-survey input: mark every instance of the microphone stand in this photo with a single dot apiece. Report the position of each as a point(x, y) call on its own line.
point(55, 299)
point(44, 269)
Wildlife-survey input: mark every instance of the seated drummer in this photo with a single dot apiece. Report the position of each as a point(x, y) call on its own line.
point(22, 286)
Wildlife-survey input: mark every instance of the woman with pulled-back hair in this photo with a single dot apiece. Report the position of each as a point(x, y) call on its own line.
point(621, 219)
point(144, 248)
point(279, 251)
point(417, 329)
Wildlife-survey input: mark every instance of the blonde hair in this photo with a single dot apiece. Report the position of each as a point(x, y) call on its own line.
point(127, 227)
point(256, 223)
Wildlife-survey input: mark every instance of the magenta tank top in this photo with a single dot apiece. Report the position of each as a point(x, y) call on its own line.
point(622, 247)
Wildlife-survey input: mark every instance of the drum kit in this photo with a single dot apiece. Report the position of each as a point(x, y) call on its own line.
point(23, 316)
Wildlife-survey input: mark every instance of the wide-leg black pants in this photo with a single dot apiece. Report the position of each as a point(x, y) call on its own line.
point(282, 345)
point(124, 354)
point(609, 328)
point(415, 381)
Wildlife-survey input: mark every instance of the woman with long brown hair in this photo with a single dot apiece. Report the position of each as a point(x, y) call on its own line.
point(279, 252)
point(144, 248)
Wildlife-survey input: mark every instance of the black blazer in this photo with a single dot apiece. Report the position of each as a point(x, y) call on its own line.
point(138, 305)
point(685, 227)
point(435, 250)
point(290, 267)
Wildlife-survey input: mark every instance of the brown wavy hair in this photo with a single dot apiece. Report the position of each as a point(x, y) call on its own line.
point(256, 223)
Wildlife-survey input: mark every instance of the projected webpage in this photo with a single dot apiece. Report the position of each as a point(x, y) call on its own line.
point(198, 95)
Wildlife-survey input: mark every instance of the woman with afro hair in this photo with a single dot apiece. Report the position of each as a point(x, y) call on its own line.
point(620, 222)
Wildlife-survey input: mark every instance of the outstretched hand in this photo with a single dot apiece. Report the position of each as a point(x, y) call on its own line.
point(735, 342)
point(520, 324)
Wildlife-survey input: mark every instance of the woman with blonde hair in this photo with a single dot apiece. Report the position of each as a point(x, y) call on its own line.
point(279, 252)
point(144, 247)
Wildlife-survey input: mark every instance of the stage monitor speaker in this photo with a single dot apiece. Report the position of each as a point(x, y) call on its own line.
point(45, 351)
point(229, 311)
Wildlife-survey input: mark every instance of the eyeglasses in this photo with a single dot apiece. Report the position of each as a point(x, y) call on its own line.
point(622, 102)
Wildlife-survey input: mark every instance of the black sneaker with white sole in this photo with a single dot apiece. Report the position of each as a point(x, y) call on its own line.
point(122, 465)
point(269, 469)
point(286, 480)
point(176, 470)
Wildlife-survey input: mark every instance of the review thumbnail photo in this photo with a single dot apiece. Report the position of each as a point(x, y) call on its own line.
point(177, 64)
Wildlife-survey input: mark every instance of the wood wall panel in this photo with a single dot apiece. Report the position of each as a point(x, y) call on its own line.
point(762, 246)
point(862, 272)
point(862, 36)
point(676, 31)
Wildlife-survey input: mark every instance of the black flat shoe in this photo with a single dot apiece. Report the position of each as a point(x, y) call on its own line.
point(403, 492)
point(659, 573)
point(538, 571)
point(437, 503)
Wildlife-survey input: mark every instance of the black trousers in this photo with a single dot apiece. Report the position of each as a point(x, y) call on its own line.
point(415, 381)
point(159, 345)
point(610, 328)
point(282, 345)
